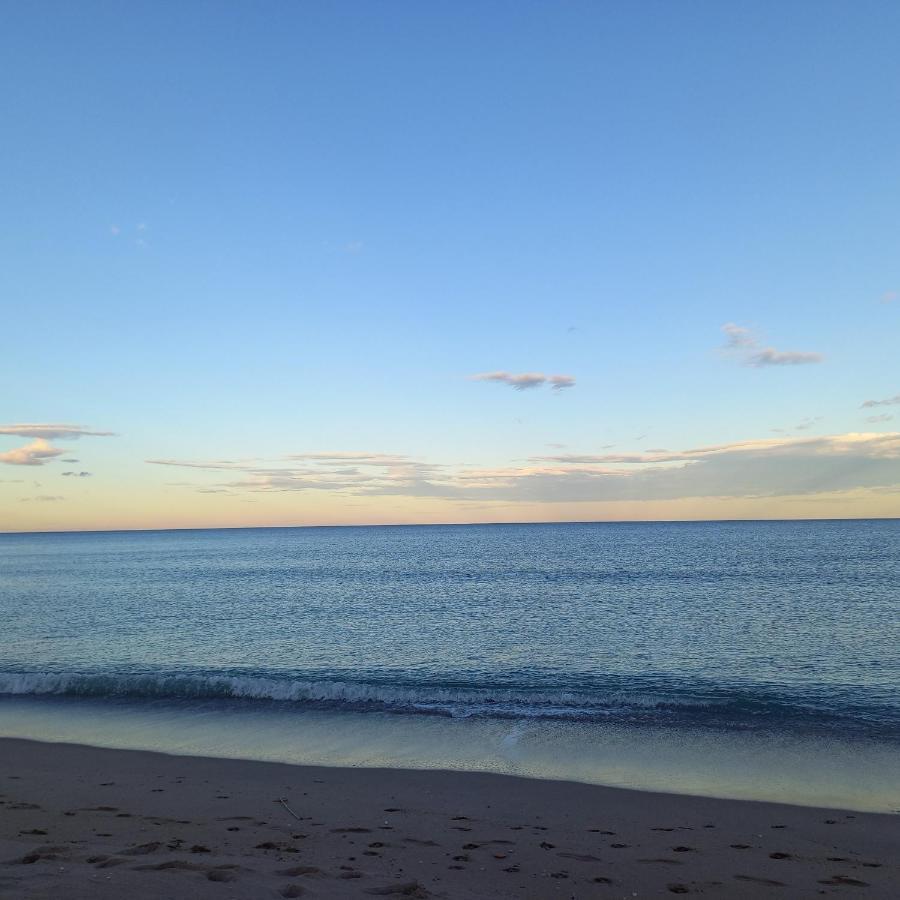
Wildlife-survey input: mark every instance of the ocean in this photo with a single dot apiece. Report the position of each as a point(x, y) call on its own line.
point(746, 659)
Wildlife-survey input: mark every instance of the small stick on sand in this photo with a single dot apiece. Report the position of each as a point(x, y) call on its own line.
point(283, 802)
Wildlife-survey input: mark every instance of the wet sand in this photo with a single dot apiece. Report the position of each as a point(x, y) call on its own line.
point(82, 822)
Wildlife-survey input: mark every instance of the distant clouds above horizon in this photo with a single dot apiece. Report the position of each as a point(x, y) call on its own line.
point(890, 401)
point(747, 346)
point(52, 432)
point(40, 451)
point(526, 380)
point(769, 467)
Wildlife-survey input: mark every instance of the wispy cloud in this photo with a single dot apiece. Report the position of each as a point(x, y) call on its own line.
point(746, 345)
point(331, 471)
point(37, 453)
point(890, 401)
point(803, 425)
point(52, 432)
point(771, 357)
point(42, 498)
point(78, 474)
point(753, 468)
point(884, 417)
point(526, 380)
point(738, 336)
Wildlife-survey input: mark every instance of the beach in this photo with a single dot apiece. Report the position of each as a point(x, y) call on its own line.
point(84, 822)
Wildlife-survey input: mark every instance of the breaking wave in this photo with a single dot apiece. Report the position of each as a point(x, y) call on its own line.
point(593, 700)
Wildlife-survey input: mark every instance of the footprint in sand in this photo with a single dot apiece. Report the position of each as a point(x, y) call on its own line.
point(171, 865)
point(41, 853)
point(142, 849)
point(755, 880)
point(843, 879)
point(223, 875)
point(294, 871)
point(408, 889)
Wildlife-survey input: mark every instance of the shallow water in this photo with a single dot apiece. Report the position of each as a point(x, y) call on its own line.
point(738, 659)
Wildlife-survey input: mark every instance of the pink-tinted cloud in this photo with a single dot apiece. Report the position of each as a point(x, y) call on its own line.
point(37, 453)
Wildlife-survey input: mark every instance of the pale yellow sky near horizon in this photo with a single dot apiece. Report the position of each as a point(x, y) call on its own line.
point(108, 487)
point(104, 511)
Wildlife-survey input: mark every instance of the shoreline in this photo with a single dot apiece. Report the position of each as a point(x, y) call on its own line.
point(81, 821)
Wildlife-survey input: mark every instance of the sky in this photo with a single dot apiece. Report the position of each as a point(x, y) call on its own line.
point(277, 263)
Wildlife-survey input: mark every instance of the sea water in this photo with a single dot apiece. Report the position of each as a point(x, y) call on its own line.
point(745, 659)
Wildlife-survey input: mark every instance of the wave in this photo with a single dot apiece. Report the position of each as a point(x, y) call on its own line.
point(593, 701)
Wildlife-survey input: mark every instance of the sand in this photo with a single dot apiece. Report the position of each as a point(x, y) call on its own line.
point(82, 822)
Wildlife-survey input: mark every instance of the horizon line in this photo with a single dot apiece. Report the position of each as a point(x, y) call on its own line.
point(458, 524)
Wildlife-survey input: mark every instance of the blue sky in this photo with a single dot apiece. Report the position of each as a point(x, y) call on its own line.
point(249, 230)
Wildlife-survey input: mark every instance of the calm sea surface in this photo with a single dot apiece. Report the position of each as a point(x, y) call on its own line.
point(785, 634)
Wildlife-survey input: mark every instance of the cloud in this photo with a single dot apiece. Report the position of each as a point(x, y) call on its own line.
point(738, 336)
point(890, 296)
point(804, 425)
point(526, 380)
point(771, 467)
point(37, 453)
point(884, 417)
point(78, 474)
point(754, 468)
point(890, 401)
point(743, 342)
point(42, 498)
point(770, 357)
point(335, 471)
point(52, 432)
